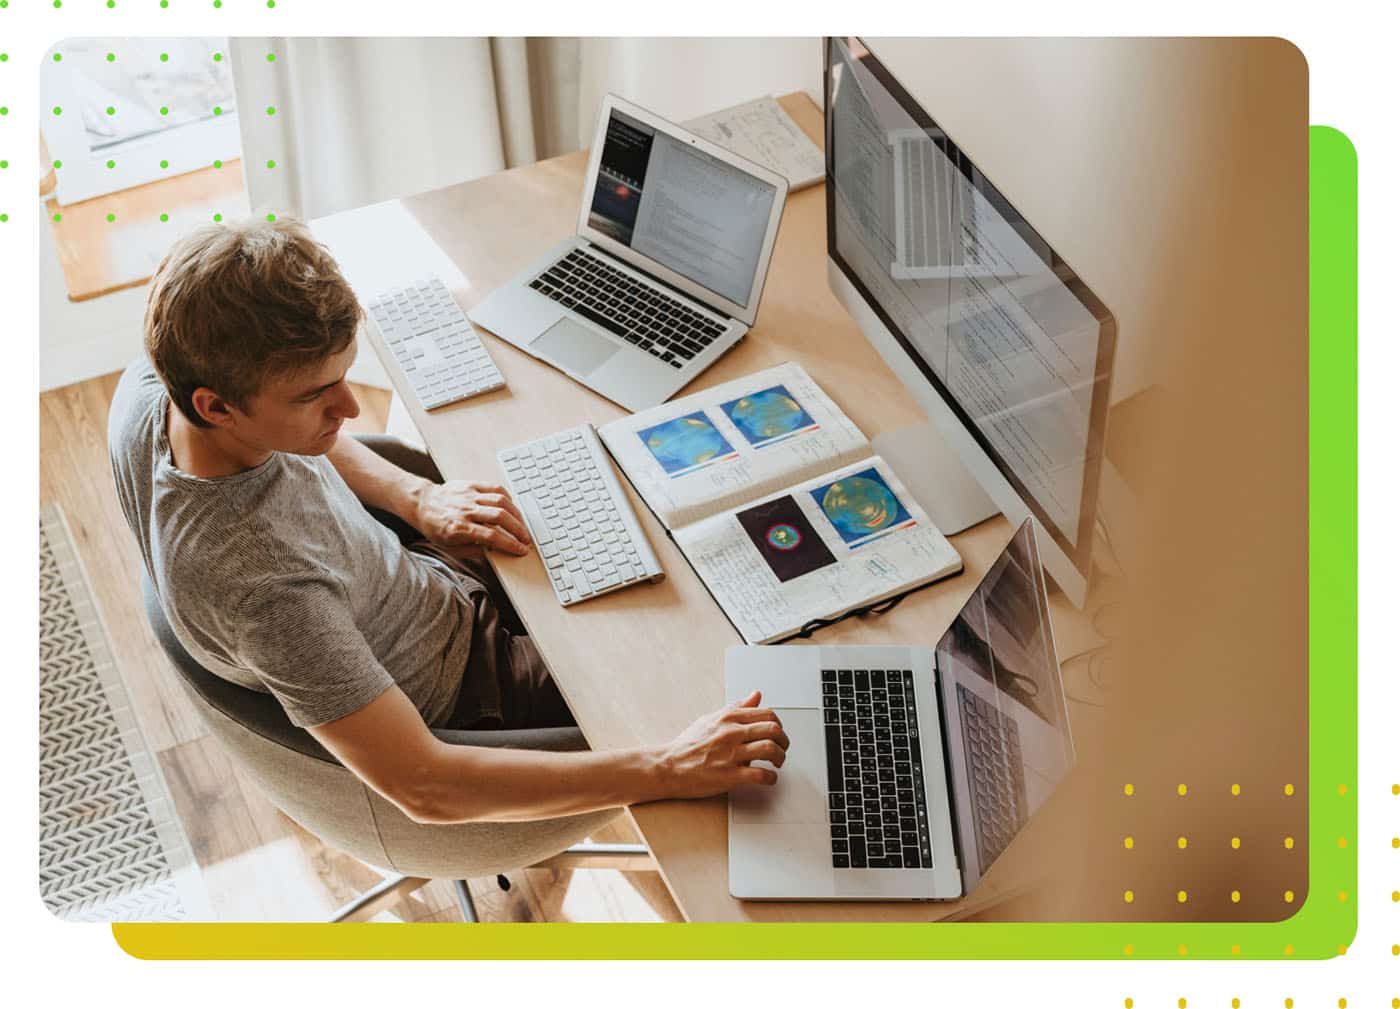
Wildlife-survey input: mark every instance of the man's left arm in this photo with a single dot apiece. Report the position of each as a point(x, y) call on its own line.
point(455, 513)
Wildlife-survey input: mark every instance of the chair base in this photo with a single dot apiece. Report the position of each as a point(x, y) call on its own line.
point(621, 857)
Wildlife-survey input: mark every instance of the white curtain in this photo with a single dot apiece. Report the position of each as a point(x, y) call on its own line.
point(356, 121)
point(362, 120)
point(682, 78)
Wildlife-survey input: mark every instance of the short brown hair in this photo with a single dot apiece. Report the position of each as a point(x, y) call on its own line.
point(232, 304)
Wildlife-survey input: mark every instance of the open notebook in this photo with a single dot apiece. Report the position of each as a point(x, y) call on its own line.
point(778, 502)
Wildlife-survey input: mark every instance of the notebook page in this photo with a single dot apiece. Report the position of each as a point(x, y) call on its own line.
point(817, 550)
point(705, 453)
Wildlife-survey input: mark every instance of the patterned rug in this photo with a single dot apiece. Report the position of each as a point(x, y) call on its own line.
point(110, 846)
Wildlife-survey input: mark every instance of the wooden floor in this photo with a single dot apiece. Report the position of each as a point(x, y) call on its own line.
point(256, 863)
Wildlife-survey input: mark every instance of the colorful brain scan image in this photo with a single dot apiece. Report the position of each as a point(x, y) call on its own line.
point(862, 507)
point(686, 444)
point(785, 538)
point(768, 416)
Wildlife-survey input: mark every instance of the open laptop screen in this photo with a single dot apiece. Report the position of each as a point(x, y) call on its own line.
point(681, 207)
point(1008, 731)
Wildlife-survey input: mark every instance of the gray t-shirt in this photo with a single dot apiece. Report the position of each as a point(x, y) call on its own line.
point(277, 578)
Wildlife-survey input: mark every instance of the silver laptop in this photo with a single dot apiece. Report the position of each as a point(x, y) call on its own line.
point(665, 271)
point(910, 770)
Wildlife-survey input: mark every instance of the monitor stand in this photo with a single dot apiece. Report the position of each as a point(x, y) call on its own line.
point(936, 477)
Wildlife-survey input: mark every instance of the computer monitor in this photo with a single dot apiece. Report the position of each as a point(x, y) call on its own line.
point(1003, 346)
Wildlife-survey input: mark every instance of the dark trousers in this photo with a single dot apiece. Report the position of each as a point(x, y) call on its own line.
point(506, 684)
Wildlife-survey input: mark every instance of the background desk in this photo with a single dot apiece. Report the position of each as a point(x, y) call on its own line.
point(638, 666)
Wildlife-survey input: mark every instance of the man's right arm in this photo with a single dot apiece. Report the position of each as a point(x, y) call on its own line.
point(389, 747)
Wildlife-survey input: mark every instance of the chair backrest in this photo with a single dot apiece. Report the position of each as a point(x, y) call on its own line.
point(306, 782)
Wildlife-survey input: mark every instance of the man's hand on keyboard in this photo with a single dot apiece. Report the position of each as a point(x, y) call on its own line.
point(715, 754)
point(466, 513)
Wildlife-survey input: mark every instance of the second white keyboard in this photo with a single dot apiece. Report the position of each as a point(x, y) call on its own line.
point(579, 517)
point(426, 331)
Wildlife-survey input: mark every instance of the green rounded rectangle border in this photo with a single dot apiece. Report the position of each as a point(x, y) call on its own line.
point(1322, 928)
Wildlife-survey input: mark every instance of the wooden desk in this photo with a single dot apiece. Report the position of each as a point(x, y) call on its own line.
point(638, 666)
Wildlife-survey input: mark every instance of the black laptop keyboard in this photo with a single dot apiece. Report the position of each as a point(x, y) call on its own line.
point(875, 777)
point(639, 313)
point(993, 747)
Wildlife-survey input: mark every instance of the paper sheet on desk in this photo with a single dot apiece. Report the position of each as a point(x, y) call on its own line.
point(762, 132)
point(383, 246)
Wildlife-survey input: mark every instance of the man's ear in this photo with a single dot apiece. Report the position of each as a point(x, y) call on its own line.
point(212, 407)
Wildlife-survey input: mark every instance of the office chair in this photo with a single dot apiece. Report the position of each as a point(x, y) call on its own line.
point(308, 784)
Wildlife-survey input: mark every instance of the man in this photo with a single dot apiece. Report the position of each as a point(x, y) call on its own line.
point(250, 507)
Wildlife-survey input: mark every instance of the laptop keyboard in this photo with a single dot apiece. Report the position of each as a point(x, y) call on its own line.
point(875, 778)
point(664, 327)
point(993, 746)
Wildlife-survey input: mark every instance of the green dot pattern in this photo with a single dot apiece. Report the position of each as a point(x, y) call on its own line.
point(218, 164)
point(4, 57)
point(111, 111)
point(272, 57)
point(111, 218)
point(165, 3)
point(218, 218)
point(111, 57)
point(218, 57)
point(165, 57)
point(164, 163)
point(111, 163)
point(4, 163)
point(272, 110)
point(164, 217)
point(218, 111)
point(272, 217)
point(58, 163)
point(4, 218)
point(4, 110)
point(58, 110)
point(57, 218)
point(270, 164)
point(58, 57)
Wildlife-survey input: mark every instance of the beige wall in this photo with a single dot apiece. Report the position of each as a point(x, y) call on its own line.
point(1150, 165)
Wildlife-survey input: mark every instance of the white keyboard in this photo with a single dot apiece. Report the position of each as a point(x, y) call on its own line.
point(580, 519)
point(434, 343)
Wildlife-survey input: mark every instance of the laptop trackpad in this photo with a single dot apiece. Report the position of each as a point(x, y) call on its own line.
point(576, 347)
point(800, 794)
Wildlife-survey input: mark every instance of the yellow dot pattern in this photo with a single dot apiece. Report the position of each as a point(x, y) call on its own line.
point(1234, 1003)
point(1181, 842)
point(1234, 842)
point(1127, 789)
point(1181, 896)
point(1180, 789)
point(1288, 843)
point(1287, 789)
point(1288, 896)
point(1235, 789)
point(1127, 896)
point(1128, 843)
point(1234, 896)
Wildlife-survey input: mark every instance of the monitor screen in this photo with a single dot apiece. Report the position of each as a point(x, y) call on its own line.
point(1002, 694)
point(685, 209)
point(990, 317)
